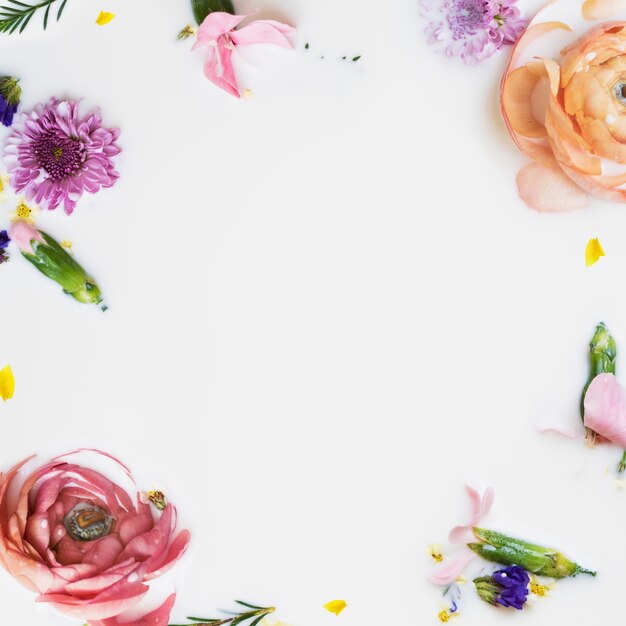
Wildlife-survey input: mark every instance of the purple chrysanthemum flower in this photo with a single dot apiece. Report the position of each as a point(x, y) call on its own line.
point(505, 587)
point(4, 242)
point(54, 154)
point(472, 29)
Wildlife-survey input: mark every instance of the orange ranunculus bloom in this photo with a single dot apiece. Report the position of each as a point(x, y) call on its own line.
point(569, 116)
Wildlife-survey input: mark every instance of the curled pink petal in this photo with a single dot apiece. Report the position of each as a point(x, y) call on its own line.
point(563, 430)
point(480, 507)
point(605, 408)
point(263, 31)
point(450, 569)
point(219, 35)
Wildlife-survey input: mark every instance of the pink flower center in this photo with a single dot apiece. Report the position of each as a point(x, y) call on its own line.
point(466, 17)
point(61, 157)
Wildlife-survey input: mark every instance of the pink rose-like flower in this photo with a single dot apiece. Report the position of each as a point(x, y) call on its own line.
point(85, 544)
point(219, 33)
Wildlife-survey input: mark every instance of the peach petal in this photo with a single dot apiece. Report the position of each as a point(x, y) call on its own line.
point(528, 37)
point(602, 9)
point(516, 100)
point(547, 189)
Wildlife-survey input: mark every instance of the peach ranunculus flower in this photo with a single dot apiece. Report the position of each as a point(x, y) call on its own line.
point(85, 544)
point(563, 98)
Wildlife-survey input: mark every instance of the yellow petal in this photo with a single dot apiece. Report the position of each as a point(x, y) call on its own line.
point(602, 9)
point(593, 252)
point(336, 606)
point(104, 18)
point(7, 383)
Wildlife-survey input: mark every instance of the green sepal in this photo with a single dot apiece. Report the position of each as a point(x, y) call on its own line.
point(499, 548)
point(10, 89)
point(202, 8)
point(57, 264)
point(602, 356)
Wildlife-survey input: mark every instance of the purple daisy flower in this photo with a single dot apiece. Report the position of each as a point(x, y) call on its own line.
point(472, 29)
point(54, 154)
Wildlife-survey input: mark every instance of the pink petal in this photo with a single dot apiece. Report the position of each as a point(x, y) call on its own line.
point(263, 31)
point(546, 188)
point(214, 26)
point(158, 617)
point(22, 233)
point(448, 571)
point(104, 552)
point(480, 508)
point(562, 430)
point(605, 408)
point(134, 525)
point(218, 68)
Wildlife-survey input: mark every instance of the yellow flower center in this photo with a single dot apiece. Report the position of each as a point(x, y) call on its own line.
point(23, 211)
point(1, 186)
point(538, 589)
point(58, 153)
point(444, 616)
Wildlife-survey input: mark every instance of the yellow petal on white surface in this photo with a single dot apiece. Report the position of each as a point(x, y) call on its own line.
point(104, 18)
point(7, 383)
point(336, 606)
point(593, 252)
point(602, 9)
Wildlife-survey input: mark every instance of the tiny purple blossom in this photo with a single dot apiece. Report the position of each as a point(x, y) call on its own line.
point(54, 154)
point(472, 29)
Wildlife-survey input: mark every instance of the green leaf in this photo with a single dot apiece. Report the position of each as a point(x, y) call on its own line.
point(251, 606)
point(202, 8)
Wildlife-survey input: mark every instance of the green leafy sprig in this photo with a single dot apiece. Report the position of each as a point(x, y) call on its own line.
point(17, 15)
point(253, 612)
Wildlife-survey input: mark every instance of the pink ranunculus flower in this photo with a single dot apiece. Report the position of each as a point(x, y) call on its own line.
point(85, 544)
point(219, 33)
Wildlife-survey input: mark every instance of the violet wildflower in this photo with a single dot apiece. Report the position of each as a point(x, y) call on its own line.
point(54, 154)
point(472, 29)
point(10, 94)
point(4, 242)
point(505, 587)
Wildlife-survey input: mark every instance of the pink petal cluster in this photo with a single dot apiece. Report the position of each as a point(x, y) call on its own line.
point(472, 29)
point(219, 34)
point(605, 408)
point(448, 571)
point(94, 580)
point(54, 154)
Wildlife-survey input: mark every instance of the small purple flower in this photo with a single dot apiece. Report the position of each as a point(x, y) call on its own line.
point(54, 154)
point(10, 94)
point(4, 242)
point(505, 587)
point(472, 29)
